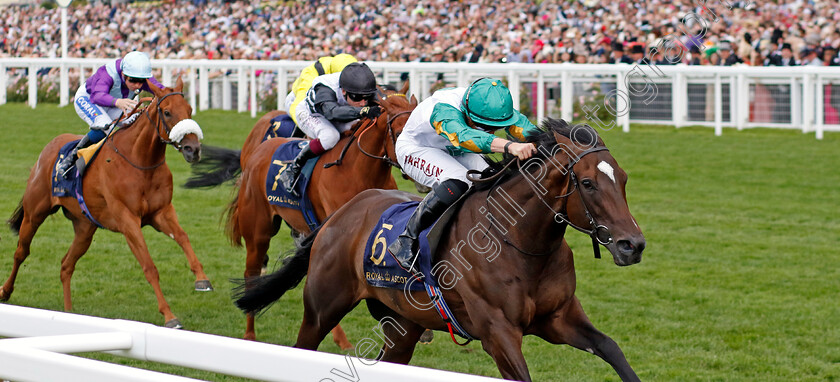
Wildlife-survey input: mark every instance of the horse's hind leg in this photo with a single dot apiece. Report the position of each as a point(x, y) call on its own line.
point(166, 221)
point(256, 230)
point(326, 300)
point(571, 326)
point(84, 231)
point(399, 334)
point(30, 219)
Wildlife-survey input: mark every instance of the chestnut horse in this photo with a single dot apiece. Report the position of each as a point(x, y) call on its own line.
point(510, 270)
point(366, 165)
point(219, 165)
point(127, 187)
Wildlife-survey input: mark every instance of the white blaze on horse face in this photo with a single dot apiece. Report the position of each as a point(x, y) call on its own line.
point(607, 169)
point(184, 127)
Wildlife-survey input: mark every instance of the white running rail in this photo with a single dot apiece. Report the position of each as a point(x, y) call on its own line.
point(41, 339)
point(801, 97)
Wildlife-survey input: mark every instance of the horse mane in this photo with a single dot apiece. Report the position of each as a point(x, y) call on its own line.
point(581, 134)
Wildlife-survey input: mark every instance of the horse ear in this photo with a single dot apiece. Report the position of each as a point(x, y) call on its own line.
point(404, 88)
point(413, 100)
point(559, 138)
point(380, 96)
point(179, 85)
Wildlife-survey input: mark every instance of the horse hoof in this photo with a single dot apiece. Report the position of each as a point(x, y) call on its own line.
point(203, 286)
point(347, 347)
point(173, 324)
point(427, 337)
point(3, 296)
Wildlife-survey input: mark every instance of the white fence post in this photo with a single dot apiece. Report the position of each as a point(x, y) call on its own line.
point(32, 81)
point(204, 88)
point(820, 117)
point(540, 98)
point(241, 89)
point(566, 96)
point(193, 90)
point(3, 84)
point(64, 85)
point(283, 87)
point(253, 93)
point(622, 101)
point(513, 80)
point(718, 106)
point(807, 103)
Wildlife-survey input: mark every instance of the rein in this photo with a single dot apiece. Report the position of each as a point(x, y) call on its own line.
point(157, 130)
point(367, 127)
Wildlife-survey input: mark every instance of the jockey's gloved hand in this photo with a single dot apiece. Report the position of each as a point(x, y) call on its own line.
point(370, 112)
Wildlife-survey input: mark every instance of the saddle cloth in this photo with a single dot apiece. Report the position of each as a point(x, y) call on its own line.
point(277, 195)
point(380, 266)
point(282, 126)
point(72, 186)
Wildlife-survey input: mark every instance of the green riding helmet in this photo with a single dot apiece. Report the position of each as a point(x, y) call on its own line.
point(488, 102)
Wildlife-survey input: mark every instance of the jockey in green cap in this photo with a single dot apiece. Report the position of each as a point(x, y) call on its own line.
point(443, 138)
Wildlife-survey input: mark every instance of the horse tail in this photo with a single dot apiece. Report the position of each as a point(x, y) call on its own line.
point(17, 218)
point(217, 165)
point(257, 294)
point(232, 230)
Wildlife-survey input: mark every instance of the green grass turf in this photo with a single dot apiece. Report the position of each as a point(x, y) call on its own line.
point(740, 280)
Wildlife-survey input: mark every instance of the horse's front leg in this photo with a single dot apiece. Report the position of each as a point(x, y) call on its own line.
point(501, 339)
point(166, 221)
point(130, 228)
point(569, 325)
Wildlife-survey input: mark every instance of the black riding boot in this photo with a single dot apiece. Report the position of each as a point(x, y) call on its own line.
point(68, 161)
point(405, 249)
point(289, 177)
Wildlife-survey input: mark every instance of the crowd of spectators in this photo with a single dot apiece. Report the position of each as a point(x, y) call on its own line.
point(758, 32)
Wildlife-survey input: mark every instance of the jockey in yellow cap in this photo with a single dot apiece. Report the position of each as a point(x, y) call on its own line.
point(324, 65)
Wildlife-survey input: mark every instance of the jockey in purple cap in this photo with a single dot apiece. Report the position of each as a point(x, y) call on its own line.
point(105, 96)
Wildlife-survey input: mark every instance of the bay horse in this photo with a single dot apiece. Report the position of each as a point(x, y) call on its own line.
point(127, 187)
point(366, 164)
point(510, 270)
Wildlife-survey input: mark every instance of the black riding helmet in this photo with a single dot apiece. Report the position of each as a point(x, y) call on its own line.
point(357, 78)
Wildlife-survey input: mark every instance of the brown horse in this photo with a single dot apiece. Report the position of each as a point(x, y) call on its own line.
point(510, 271)
point(366, 165)
point(127, 187)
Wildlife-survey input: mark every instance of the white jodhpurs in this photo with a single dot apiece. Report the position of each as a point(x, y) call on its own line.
point(431, 165)
point(94, 115)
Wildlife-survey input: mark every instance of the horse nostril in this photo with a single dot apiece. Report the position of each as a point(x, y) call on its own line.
point(625, 247)
point(640, 247)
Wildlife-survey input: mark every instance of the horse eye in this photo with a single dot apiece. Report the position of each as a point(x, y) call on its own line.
point(167, 114)
point(587, 183)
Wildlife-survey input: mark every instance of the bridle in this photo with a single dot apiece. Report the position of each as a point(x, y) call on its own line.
point(561, 217)
point(157, 125)
point(163, 123)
